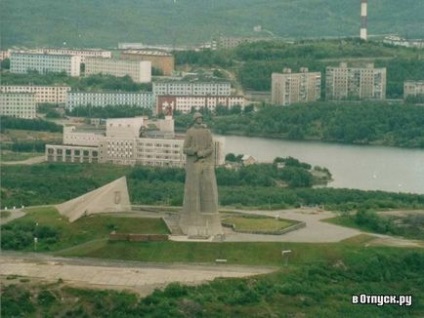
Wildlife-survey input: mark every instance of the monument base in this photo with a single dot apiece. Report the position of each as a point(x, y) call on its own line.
point(201, 225)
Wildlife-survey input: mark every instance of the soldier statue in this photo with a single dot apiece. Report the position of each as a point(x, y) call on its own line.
point(200, 209)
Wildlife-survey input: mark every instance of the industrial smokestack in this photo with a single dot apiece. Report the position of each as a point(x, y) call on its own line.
point(363, 31)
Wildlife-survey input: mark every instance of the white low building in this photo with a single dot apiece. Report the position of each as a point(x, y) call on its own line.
point(82, 53)
point(184, 104)
point(101, 99)
point(413, 89)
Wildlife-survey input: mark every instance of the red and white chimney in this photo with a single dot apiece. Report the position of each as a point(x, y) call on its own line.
point(364, 13)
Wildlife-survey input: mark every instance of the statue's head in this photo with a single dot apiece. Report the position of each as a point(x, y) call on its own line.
point(197, 117)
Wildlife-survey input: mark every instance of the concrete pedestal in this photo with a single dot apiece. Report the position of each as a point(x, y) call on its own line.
point(198, 225)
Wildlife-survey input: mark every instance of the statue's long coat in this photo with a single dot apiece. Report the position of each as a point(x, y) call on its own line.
point(200, 193)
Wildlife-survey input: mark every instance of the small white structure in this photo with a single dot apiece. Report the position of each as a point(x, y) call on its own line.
point(248, 160)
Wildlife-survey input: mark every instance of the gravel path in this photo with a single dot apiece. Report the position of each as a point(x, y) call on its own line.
point(29, 161)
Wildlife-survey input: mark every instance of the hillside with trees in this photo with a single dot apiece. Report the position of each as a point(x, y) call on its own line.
point(95, 24)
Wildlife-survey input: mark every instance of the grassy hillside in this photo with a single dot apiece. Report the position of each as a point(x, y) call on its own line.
point(105, 23)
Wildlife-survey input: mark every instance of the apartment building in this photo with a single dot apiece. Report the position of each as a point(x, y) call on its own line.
point(43, 94)
point(21, 63)
point(198, 88)
point(289, 88)
point(168, 104)
point(161, 60)
point(139, 71)
point(345, 82)
point(101, 99)
point(413, 89)
point(82, 53)
point(20, 105)
point(126, 141)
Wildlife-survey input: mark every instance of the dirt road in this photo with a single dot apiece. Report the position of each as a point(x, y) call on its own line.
point(142, 278)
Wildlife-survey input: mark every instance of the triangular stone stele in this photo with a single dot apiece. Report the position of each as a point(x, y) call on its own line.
point(112, 197)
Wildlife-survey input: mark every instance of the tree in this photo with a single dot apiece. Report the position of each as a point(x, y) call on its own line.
point(5, 64)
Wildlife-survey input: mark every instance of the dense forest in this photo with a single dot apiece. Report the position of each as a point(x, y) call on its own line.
point(364, 123)
point(28, 124)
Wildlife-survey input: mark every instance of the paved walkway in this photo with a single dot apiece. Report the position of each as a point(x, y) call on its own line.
point(315, 230)
point(140, 277)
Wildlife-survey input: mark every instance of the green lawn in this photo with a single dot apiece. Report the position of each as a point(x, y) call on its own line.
point(86, 229)
point(18, 156)
point(261, 224)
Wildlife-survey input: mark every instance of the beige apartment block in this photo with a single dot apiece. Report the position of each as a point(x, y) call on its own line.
point(289, 88)
point(413, 89)
point(43, 94)
point(21, 63)
point(139, 71)
point(161, 60)
point(167, 104)
point(345, 82)
point(20, 105)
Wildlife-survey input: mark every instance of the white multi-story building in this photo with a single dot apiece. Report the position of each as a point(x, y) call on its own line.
point(101, 99)
point(78, 52)
point(139, 71)
point(289, 88)
point(21, 105)
point(413, 89)
point(83, 53)
point(4, 54)
point(355, 83)
point(126, 141)
point(21, 63)
point(43, 94)
point(185, 88)
point(184, 104)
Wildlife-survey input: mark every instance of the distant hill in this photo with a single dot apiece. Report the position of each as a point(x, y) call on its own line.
point(104, 23)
